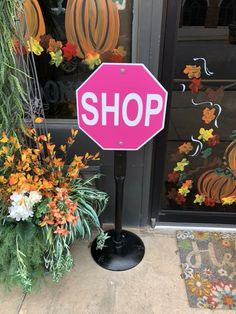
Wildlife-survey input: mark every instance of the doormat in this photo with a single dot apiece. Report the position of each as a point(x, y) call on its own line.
point(208, 261)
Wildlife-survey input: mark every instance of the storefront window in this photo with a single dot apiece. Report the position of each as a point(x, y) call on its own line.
point(200, 172)
point(87, 33)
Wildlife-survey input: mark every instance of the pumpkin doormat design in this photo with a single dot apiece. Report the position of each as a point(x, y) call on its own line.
point(208, 261)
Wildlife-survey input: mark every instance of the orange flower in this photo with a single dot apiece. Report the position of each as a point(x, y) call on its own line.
point(50, 148)
point(46, 221)
point(70, 140)
point(42, 138)
point(185, 148)
point(61, 231)
point(74, 133)
point(63, 148)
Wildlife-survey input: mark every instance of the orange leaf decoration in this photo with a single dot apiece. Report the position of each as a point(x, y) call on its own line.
point(192, 71)
point(208, 115)
point(215, 95)
point(185, 148)
point(54, 45)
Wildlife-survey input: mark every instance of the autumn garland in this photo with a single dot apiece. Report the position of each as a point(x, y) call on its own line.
point(59, 53)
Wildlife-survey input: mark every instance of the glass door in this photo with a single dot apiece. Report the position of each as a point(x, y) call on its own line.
point(199, 179)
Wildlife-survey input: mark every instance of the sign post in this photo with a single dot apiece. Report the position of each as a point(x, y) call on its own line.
point(121, 107)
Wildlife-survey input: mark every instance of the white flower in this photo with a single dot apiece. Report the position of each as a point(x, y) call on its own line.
point(22, 204)
point(19, 212)
point(34, 197)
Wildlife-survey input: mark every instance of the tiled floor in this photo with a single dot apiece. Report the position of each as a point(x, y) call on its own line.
point(153, 287)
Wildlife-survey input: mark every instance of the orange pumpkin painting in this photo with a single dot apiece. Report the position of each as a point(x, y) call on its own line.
point(216, 186)
point(92, 25)
point(230, 156)
point(32, 21)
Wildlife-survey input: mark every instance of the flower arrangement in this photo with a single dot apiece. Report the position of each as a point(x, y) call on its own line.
point(45, 206)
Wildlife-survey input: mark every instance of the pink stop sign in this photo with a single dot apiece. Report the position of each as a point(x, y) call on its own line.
point(121, 106)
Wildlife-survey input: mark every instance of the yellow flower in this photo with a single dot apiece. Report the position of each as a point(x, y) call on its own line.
point(34, 46)
point(228, 200)
point(198, 286)
point(205, 134)
point(4, 138)
point(199, 199)
point(181, 164)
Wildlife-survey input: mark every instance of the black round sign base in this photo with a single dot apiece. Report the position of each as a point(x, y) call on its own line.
point(119, 256)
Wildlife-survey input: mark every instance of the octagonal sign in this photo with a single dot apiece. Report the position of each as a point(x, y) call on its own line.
point(121, 106)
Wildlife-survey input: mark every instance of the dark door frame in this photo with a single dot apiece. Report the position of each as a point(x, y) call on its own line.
point(170, 24)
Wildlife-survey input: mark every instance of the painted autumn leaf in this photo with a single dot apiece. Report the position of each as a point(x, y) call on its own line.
point(206, 152)
point(181, 164)
point(192, 71)
point(228, 200)
point(205, 134)
point(185, 148)
point(39, 120)
point(92, 60)
point(195, 85)
point(215, 95)
point(208, 115)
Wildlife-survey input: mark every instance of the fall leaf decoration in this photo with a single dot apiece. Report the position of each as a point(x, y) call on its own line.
point(54, 45)
point(205, 135)
point(208, 115)
point(92, 60)
point(34, 46)
point(181, 165)
point(185, 148)
point(215, 95)
point(69, 51)
point(56, 58)
point(192, 71)
point(173, 177)
point(195, 85)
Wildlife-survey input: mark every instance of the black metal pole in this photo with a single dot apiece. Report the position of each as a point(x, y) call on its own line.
point(119, 174)
point(123, 249)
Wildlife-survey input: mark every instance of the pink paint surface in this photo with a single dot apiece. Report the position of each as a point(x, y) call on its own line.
point(122, 79)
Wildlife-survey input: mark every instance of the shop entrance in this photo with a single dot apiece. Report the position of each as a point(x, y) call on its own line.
point(195, 157)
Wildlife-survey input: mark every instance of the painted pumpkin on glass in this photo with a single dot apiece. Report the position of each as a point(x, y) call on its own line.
point(92, 25)
point(216, 185)
point(230, 156)
point(32, 21)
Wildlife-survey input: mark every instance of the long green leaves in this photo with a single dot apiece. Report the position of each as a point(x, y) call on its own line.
point(12, 95)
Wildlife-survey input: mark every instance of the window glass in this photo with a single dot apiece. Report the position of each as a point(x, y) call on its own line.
point(200, 172)
point(79, 36)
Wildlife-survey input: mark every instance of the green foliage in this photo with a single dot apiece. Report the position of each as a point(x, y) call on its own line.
point(21, 255)
point(12, 94)
point(91, 203)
